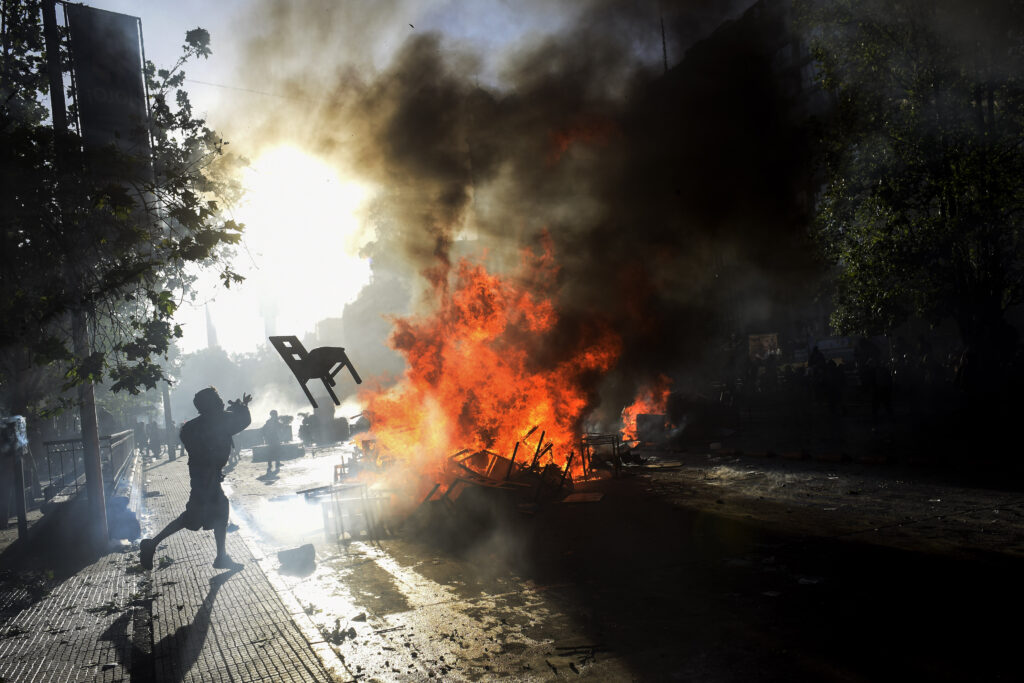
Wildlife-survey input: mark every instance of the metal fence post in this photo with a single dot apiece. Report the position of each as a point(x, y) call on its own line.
point(15, 446)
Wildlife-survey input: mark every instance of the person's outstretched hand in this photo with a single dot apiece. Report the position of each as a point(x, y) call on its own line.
point(244, 401)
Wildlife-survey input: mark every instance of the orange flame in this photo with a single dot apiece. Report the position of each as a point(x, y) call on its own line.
point(473, 378)
point(650, 400)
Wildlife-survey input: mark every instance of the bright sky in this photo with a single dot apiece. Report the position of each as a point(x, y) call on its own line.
point(300, 255)
point(303, 216)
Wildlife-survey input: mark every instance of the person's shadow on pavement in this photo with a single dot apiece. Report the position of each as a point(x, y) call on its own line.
point(184, 646)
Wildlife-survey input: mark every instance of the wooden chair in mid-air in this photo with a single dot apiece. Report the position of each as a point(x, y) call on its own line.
point(322, 364)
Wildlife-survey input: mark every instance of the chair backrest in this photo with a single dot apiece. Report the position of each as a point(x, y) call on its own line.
point(294, 354)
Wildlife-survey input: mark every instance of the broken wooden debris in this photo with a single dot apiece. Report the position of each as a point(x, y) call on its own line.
point(536, 453)
point(430, 495)
point(315, 492)
point(512, 462)
point(565, 473)
point(594, 451)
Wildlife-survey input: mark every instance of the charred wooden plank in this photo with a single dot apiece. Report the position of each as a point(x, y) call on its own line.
point(429, 495)
point(512, 462)
point(568, 464)
point(546, 449)
point(464, 451)
point(536, 453)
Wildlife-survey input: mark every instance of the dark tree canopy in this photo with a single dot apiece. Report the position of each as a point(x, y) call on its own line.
point(922, 207)
point(93, 233)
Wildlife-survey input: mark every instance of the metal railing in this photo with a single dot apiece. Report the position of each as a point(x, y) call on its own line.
point(65, 463)
point(115, 454)
point(65, 468)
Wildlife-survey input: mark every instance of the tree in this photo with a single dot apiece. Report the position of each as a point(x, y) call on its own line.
point(93, 233)
point(923, 207)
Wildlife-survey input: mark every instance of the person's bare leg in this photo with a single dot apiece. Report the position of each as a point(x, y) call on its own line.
point(220, 534)
point(147, 546)
point(223, 560)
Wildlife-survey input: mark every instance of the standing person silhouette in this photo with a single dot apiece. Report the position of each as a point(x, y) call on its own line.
point(153, 437)
point(207, 440)
point(272, 429)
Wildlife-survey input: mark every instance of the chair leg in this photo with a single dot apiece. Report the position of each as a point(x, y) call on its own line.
point(330, 391)
point(352, 369)
point(309, 395)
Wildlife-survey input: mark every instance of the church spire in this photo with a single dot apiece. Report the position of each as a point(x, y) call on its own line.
point(211, 331)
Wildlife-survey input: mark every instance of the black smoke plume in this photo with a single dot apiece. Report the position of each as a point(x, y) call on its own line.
point(669, 196)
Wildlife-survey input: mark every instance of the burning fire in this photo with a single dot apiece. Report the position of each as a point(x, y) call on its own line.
point(475, 379)
point(650, 400)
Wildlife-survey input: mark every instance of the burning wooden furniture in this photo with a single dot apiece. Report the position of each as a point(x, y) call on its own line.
point(489, 470)
point(529, 480)
point(601, 448)
point(321, 363)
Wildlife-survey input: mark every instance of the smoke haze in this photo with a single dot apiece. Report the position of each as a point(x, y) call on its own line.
point(652, 186)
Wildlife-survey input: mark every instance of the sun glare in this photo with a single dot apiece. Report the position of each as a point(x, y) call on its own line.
point(299, 256)
point(295, 204)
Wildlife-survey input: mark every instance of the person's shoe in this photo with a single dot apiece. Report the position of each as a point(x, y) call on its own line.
point(147, 548)
point(225, 562)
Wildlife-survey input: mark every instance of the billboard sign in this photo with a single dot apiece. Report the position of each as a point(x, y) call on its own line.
point(106, 55)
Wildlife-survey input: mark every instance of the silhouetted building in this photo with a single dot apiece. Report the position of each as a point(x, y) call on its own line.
point(740, 103)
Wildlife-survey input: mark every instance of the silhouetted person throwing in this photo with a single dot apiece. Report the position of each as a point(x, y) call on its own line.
point(207, 440)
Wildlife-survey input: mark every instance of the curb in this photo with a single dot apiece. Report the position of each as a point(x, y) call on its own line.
point(323, 650)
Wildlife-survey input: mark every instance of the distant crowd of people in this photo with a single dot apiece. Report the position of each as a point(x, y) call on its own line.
point(152, 439)
point(155, 441)
point(912, 373)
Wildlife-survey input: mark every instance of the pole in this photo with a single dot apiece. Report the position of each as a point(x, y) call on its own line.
point(57, 108)
point(90, 438)
point(79, 322)
point(172, 438)
point(19, 497)
point(14, 446)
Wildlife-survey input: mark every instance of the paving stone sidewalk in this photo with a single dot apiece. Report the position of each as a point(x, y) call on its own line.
point(184, 621)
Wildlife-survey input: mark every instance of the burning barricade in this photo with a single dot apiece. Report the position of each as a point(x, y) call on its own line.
point(493, 399)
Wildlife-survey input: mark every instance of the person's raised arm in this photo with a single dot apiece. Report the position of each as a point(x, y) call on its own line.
point(238, 410)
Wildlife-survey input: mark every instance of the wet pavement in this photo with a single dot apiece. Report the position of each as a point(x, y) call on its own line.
point(720, 567)
point(73, 613)
point(910, 508)
point(725, 568)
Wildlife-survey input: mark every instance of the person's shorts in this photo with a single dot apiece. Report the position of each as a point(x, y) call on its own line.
point(207, 506)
